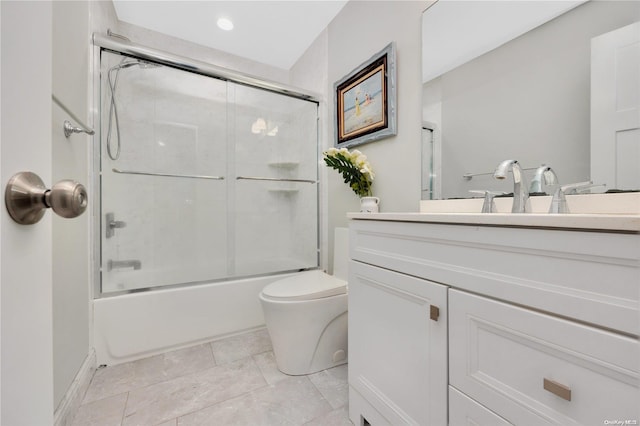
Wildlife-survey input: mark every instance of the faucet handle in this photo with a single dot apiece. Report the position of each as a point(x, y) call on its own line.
point(489, 205)
point(559, 201)
point(576, 188)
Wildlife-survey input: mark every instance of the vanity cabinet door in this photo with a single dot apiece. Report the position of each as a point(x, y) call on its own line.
point(397, 348)
point(537, 369)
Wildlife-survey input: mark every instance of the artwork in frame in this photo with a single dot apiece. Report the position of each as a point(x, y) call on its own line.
point(365, 101)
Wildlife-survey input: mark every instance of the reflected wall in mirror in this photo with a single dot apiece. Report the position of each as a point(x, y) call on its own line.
point(528, 99)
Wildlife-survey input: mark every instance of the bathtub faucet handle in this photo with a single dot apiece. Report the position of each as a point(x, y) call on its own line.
point(112, 225)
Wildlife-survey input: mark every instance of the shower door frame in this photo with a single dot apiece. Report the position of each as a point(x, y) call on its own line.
point(125, 47)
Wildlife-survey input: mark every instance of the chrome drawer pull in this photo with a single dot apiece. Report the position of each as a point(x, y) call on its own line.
point(558, 389)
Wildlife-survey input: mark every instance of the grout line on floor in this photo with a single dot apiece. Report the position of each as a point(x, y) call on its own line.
point(124, 410)
point(213, 355)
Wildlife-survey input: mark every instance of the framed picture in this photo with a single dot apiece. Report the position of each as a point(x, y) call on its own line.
point(365, 101)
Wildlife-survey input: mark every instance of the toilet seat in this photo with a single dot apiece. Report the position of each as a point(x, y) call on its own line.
point(310, 285)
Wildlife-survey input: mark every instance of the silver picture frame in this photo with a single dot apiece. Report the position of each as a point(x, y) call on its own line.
point(365, 101)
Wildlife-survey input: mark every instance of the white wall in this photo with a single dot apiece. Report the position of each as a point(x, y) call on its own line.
point(360, 30)
point(71, 248)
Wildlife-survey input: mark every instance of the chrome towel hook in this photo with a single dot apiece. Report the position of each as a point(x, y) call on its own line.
point(70, 128)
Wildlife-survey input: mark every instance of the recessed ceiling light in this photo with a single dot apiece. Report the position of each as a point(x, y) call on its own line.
point(225, 24)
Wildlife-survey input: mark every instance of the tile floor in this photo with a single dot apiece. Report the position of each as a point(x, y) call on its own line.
point(233, 381)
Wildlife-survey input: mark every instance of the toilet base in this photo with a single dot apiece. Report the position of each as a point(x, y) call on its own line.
point(303, 342)
point(330, 352)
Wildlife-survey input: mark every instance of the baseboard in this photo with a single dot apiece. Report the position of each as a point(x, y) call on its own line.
point(68, 407)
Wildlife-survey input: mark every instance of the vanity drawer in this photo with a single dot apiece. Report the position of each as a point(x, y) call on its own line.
point(464, 411)
point(533, 369)
point(589, 276)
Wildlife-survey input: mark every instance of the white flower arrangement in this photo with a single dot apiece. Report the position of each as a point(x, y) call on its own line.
point(354, 167)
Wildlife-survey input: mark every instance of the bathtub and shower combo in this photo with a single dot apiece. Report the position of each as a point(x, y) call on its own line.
point(208, 192)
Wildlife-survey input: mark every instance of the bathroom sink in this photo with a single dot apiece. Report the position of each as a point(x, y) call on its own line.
point(602, 212)
point(617, 203)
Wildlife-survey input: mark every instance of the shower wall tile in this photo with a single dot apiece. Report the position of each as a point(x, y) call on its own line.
point(241, 346)
point(148, 371)
point(167, 400)
point(293, 401)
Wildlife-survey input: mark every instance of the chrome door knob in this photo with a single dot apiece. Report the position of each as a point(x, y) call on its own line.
point(67, 198)
point(27, 198)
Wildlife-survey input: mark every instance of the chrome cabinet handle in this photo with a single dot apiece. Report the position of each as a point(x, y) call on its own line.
point(557, 389)
point(27, 198)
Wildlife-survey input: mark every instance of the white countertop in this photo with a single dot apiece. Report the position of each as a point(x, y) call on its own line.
point(597, 212)
point(594, 222)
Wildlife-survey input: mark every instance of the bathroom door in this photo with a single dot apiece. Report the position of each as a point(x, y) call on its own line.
point(615, 108)
point(26, 373)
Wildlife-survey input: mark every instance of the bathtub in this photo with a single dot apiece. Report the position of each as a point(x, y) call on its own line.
point(137, 325)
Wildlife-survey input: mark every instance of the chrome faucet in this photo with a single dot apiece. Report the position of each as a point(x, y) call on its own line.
point(544, 176)
point(121, 264)
point(521, 203)
point(559, 201)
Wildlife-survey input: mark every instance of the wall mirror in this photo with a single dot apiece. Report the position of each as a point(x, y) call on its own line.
point(513, 80)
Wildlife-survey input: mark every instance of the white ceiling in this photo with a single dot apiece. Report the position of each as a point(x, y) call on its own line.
point(455, 32)
point(276, 33)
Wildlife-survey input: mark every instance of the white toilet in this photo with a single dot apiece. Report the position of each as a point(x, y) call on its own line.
point(306, 315)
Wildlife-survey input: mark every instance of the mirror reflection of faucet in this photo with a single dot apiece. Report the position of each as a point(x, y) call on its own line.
point(122, 264)
point(543, 178)
point(521, 203)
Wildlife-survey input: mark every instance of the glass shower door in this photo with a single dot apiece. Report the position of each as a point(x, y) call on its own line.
point(163, 175)
point(276, 172)
point(202, 179)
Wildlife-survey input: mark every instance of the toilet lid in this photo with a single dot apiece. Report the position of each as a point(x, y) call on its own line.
point(308, 285)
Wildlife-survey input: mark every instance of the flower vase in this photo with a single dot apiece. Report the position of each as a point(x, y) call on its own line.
point(369, 204)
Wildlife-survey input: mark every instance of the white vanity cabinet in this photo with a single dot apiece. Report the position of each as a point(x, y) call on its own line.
point(538, 369)
point(397, 347)
point(537, 326)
